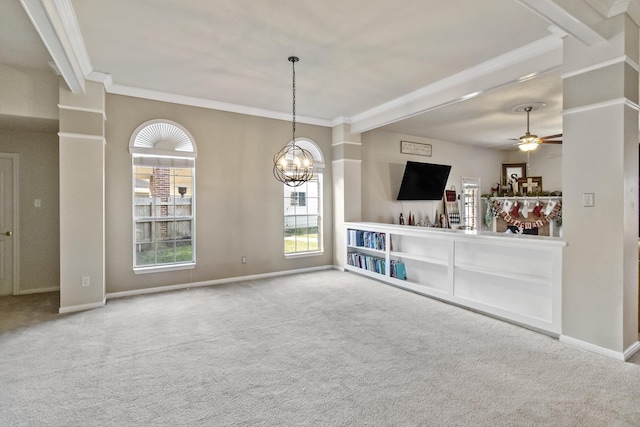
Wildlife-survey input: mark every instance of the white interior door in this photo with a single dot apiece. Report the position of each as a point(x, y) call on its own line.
point(8, 223)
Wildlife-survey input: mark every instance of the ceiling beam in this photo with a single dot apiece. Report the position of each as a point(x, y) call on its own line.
point(56, 23)
point(518, 65)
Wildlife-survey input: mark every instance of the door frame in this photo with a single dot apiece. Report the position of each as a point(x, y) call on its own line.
point(16, 228)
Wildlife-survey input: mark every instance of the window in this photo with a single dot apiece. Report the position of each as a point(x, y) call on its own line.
point(163, 197)
point(470, 203)
point(303, 209)
point(298, 199)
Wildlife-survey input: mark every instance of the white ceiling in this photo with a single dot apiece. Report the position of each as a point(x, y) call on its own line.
point(357, 58)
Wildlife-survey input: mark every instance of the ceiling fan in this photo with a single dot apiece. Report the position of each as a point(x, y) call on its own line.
point(528, 141)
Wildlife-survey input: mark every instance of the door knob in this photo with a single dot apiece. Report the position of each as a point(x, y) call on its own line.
point(8, 233)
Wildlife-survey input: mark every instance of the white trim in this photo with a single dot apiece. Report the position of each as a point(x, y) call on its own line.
point(14, 220)
point(156, 95)
point(214, 282)
point(82, 307)
point(622, 356)
point(347, 160)
point(58, 28)
point(610, 103)
point(342, 120)
point(162, 268)
point(39, 290)
point(293, 255)
point(633, 349)
point(593, 67)
point(335, 144)
point(97, 138)
point(83, 109)
point(72, 33)
point(552, 12)
point(98, 77)
point(78, 108)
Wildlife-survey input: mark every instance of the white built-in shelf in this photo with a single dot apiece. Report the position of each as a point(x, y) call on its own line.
point(367, 249)
point(520, 277)
point(422, 258)
point(514, 277)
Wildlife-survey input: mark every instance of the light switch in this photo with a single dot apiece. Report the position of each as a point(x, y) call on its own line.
point(587, 200)
point(37, 203)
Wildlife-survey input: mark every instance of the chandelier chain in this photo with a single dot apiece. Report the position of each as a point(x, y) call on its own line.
point(293, 65)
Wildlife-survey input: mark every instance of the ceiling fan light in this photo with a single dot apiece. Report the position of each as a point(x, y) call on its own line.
point(528, 146)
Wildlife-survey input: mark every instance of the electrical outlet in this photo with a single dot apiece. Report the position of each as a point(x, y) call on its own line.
point(587, 200)
point(86, 281)
point(244, 259)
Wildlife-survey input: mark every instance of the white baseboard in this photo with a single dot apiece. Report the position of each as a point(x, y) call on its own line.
point(81, 307)
point(633, 349)
point(144, 291)
point(623, 356)
point(38, 291)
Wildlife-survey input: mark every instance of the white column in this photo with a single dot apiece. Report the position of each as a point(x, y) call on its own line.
point(347, 186)
point(600, 156)
point(82, 178)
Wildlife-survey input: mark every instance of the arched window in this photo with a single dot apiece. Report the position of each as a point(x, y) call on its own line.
point(163, 161)
point(303, 208)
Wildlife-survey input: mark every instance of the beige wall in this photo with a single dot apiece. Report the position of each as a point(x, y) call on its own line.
point(39, 227)
point(238, 201)
point(383, 167)
point(544, 161)
point(28, 93)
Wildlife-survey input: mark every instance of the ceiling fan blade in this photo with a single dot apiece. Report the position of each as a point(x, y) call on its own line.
point(551, 142)
point(551, 137)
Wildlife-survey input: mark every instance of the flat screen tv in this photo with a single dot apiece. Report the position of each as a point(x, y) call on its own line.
point(423, 181)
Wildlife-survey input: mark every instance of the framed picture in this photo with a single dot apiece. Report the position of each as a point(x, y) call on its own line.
point(408, 147)
point(511, 172)
point(529, 185)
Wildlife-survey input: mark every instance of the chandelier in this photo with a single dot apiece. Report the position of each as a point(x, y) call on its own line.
point(293, 165)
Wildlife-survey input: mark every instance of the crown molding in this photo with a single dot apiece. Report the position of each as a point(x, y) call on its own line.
point(56, 24)
point(103, 78)
point(518, 65)
point(342, 120)
point(154, 95)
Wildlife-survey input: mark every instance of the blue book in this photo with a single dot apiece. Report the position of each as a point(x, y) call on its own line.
point(401, 271)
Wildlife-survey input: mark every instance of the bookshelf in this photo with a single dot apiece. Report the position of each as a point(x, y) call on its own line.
point(514, 277)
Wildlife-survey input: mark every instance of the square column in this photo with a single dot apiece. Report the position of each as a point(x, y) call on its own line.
point(347, 186)
point(600, 157)
point(82, 195)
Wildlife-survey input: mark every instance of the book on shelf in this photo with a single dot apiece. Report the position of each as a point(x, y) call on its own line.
point(367, 262)
point(366, 239)
point(398, 270)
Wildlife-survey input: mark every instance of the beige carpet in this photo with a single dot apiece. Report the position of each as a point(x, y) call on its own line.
point(321, 349)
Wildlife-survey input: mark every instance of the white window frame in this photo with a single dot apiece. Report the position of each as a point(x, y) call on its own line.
point(163, 143)
point(318, 171)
